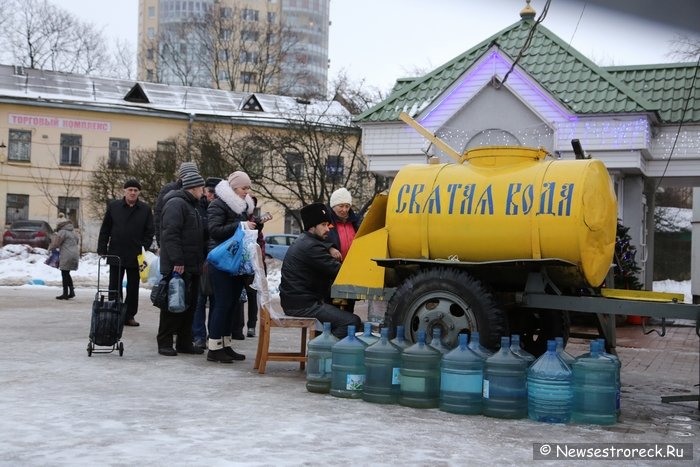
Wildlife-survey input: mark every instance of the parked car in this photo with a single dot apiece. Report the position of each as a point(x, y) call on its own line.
point(276, 245)
point(33, 233)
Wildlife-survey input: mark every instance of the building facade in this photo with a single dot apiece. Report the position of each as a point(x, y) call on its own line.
point(57, 128)
point(273, 46)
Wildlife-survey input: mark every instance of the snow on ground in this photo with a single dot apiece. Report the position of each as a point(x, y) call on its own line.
point(22, 264)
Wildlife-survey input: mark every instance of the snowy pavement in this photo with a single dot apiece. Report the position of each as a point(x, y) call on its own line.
point(61, 407)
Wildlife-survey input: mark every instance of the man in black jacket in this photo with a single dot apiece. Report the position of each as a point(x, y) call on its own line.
point(308, 271)
point(127, 227)
point(181, 252)
point(185, 167)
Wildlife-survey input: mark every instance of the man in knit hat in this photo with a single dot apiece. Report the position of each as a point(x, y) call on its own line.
point(127, 226)
point(308, 271)
point(181, 252)
point(185, 167)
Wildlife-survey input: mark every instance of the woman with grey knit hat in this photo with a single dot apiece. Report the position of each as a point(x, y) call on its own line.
point(230, 209)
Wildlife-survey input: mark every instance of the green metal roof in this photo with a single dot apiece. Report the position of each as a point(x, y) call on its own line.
point(665, 85)
point(576, 82)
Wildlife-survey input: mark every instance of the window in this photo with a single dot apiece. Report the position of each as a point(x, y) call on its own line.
point(226, 12)
point(165, 149)
point(17, 208)
point(70, 149)
point(223, 75)
point(118, 152)
point(248, 14)
point(19, 145)
point(291, 225)
point(70, 207)
point(247, 77)
point(149, 75)
point(223, 55)
point(225, 34)
point(248, 35)
point(248, 57)
point(334, 168)
point(295, 166)
point(151, 12)
point(271, 16)
point(151, 33)
point(150, 54)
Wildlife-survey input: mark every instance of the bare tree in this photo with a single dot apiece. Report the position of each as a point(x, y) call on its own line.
point(38, 34)
point(686, 48)
point(355, 96)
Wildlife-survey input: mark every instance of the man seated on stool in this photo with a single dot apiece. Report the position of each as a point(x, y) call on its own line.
point(308, 271)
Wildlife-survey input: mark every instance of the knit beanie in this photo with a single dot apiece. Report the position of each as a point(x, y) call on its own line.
point(341, 196)
point(192, 180)
point(186, 167)
point(238, 179)
point(132, 183)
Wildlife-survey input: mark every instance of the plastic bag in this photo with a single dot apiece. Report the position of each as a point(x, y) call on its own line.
point(250, 240)
point(228, 255)
point(154, 270)
point(143, 265)
point(176, 294)
point(52, 260)
point(159, 293)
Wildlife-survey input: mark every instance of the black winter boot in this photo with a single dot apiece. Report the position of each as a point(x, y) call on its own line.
point(72, 293)
point(63, 296)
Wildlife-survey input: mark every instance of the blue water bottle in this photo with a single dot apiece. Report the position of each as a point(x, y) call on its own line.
point(348, 366)
point(595, 388)
point(461, 380)
point(563, 354)
point(320, 360)
point(400, 340)
point(436, 342)
point(549, 388)
point(505, 384)
point(519, 351)
point(176, 294)
point(382, 367)
point(477, 348)
point(367, 337)
point(420, 375)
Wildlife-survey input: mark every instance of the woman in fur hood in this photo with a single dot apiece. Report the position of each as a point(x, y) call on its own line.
point(232, 207)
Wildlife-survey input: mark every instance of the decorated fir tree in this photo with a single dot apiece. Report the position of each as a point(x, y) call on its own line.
point(626, 268)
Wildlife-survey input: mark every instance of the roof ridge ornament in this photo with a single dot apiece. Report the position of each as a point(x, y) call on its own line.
point(528, 12)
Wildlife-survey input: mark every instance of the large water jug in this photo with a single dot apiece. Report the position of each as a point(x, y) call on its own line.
point(348, 366)
point(367, 337)
point(505, 384)
point(595, 388)
point(618, 365)
point(400, 340)
point(563, 354)
point(461, 380)
point(436, 342)
point(477, 348)
point(420, 375)
point(382, 367)
point(176, 294)
point(320, 360)
point(549, 389)
point(519, 351)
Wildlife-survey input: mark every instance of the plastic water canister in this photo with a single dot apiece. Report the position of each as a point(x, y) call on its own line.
point(348, 366)
point(367, 337)
point(594, 388)
point(436, 342)
point(618, 365)
point(461, 380)
point(477, 348)
point(519, 351)
point(505, 384)
point(420, 375)
point(320, 359)
point(176, 294)
point(382, 370)
point(563, 354)
point(549, 388)
point(400, 340)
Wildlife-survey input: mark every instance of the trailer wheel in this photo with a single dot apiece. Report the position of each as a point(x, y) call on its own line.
point(450, 300)
point(537, 326)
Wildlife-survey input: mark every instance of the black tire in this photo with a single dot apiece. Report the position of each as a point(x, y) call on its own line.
point(89, 349)
point(536, 326)
point(121, 349)
point(449, 299)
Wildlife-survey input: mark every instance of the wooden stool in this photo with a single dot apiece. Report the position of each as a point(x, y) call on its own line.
point(307, 325)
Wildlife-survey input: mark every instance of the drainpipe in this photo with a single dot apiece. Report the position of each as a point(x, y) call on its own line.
point(189, 136)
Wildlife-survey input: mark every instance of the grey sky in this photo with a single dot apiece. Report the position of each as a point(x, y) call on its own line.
point(381, 40)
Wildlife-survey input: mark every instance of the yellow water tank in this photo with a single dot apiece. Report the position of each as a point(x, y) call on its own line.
point(503, 204)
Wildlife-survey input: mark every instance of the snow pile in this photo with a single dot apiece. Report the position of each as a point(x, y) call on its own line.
point(673, 219)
